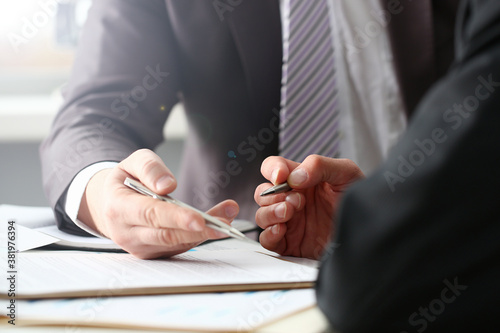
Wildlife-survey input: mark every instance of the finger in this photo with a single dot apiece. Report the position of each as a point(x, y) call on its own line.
point(276, 169)
point(297, 199)
point(315, 169)
point(149, 169)
point(154, 252)
point(273, 239)
point(168, 238)
point(268, 199)
point(277, 213)
point(226, 211)
point(148, 243)
point(136, 209)
point(144, 242)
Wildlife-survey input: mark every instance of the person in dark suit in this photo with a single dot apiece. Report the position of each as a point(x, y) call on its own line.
point(415, 245)
point(137, 59)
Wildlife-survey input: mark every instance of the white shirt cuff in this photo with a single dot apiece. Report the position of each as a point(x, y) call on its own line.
point(76, 190)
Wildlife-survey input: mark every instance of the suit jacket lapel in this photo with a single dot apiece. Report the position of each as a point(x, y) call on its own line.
point(256, 28)
point(413, 47)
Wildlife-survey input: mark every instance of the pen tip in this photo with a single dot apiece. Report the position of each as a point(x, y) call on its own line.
point(266, 192)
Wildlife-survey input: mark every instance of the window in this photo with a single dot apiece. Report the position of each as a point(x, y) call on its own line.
point(38, 39)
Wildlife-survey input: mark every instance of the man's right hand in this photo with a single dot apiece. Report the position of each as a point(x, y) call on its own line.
point(300, 223)
point(144, 226)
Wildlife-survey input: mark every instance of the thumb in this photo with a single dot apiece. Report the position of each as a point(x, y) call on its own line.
point(316, 169)
point(148, 168)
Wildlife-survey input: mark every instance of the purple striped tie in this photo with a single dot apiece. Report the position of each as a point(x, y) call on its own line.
point(309, 113)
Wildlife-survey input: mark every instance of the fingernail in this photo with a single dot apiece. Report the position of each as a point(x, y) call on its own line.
point(280, 211)
point(274, 175)
point(295, 199)
point(275, 229)
point(297, 177)
point(195, 226)
point(164, 182)
point(231, 211)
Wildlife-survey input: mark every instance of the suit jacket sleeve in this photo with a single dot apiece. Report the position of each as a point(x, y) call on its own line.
point(417, 244)
point(122, 82)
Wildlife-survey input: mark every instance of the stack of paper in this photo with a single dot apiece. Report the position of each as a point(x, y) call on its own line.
point(223, 312)
point(189, 291)
point(56, 274)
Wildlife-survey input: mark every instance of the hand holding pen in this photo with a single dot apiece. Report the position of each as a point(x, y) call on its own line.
point(276, 189)
point(211, 221)
point(297, 215)
point(142, 225)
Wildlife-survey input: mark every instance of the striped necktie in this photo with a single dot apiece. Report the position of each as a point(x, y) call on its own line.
point(309, 113)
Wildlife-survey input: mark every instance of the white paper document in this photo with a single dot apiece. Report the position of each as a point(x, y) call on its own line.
point(217, 312)
point(225, 285)
point(36, 227)
point(36, 223)
point(56, 274)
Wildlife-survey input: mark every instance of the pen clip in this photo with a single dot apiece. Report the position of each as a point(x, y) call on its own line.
point(141, 189)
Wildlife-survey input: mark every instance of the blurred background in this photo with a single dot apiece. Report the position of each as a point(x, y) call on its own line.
point(38, 39)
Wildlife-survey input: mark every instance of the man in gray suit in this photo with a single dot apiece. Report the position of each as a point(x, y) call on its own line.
point(137, 59)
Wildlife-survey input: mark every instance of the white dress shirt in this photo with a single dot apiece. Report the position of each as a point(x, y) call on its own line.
point(372, 111)
point(372, 115)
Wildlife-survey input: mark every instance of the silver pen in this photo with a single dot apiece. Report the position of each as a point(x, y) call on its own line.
point(211, 221)
point(280, 188)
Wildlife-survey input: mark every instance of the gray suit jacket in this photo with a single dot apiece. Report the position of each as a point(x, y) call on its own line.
point(136, 59)
point(417, 244)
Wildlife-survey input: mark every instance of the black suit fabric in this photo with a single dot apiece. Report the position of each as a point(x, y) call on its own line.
point(417, 246)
